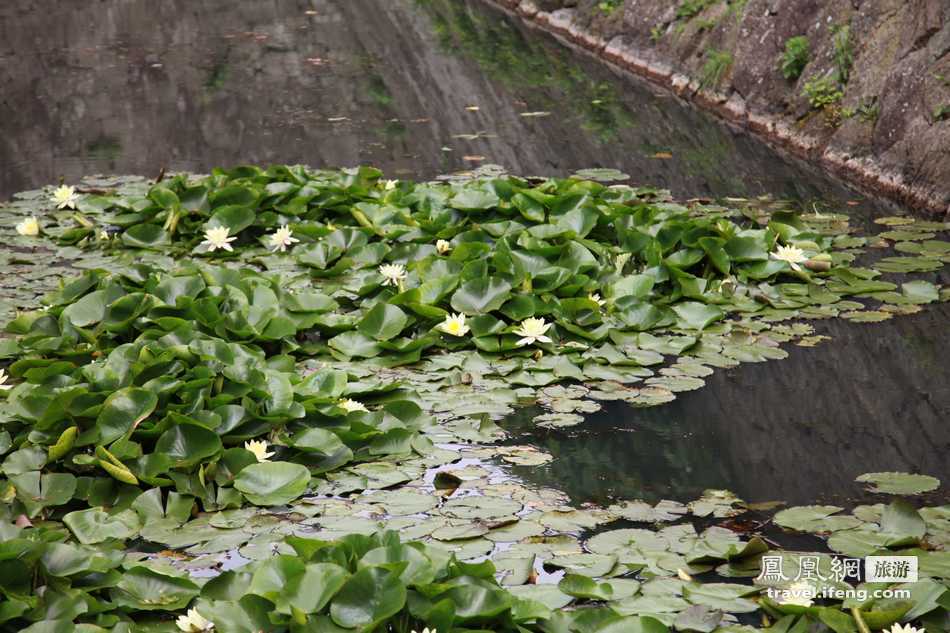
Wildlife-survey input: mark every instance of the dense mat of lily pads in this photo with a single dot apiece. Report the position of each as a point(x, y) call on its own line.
point(332, 341)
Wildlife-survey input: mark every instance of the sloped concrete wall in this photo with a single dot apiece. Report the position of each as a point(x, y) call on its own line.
point(890, 131)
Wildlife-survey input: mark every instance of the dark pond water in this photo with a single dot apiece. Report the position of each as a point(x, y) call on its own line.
point(416, 87)
point(874, 398)
point(427, 87)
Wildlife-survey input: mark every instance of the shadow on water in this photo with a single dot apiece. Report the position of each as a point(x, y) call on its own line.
point(426, 87)
point(416, 87)
point(875, 398)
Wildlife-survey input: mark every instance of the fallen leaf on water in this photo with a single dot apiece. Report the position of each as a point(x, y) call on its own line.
point(894, 220)
point(535, 114)
point(472, 108)
point(811, 341)
point(663, 155)
point(473, 159)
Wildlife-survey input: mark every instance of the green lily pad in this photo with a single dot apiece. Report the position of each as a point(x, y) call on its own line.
point(149, 590)
point(272, 483)
point(97, 526)
point(815, 519)
point(481, 507)
point(899, 483)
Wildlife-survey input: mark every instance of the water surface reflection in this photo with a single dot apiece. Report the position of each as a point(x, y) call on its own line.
point(875, 398)
point(416, 87)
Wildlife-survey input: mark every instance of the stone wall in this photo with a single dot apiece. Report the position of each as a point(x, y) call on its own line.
point(888, 133)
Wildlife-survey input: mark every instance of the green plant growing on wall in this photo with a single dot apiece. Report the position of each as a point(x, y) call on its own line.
point(217, 77)
point(656, 33)
point(795, 57)
point(942, 112)
point(826, 92)
point(844, 53)
point(822, 92)
point(715, 68)
point(867, 110)
point(689, 9)
point(609, 6)
point(737, 9)
point(378, 91)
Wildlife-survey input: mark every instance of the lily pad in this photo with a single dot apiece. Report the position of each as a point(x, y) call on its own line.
point(272, 483)
point(899, 483)
point(481, 507)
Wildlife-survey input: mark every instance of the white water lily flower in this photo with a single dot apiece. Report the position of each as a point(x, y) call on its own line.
point(281, 239)
point(259, 448)
point(595, 297)
point(351, 406)
point(425, 630)
point(64, 197)
point(394, 274)
point(454, 324)
point(443, 246)
point(217, 237)
point(621, 260)
point(29, 227)
point(3, 380)
point(104, 235)
point(194, 622)
point(389, 185)
point(800, 594)
point(903, 628)
point(791, 255)
point(532, 330)
point(728, 286)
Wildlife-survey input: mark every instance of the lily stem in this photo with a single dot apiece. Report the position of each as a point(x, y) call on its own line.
point(862, 625)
